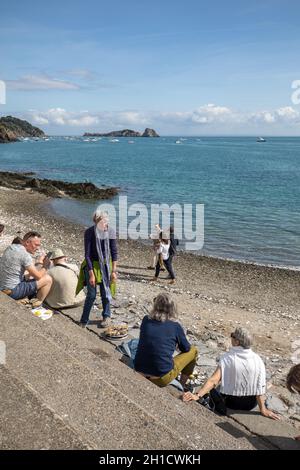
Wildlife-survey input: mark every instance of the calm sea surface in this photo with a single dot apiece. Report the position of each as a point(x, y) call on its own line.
point(251, 190)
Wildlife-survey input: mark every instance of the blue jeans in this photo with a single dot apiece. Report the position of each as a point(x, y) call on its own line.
point(90, 299)
point(24, 289)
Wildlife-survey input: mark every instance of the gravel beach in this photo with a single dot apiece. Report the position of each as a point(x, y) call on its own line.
point(213, 295)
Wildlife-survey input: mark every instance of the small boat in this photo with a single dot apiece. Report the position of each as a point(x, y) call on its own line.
point(260, 139)
point(114, 140)
point(178, 142)
point(131, 141)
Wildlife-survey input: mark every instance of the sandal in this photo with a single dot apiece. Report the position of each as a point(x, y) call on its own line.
point(35, 303)
point(24, 301)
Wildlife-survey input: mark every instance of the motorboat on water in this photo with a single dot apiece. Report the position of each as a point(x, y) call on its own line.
point(260, 139)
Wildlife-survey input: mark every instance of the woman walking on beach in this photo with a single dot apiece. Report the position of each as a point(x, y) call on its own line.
point(160, 335)
point(99, 267)
point(163, 251)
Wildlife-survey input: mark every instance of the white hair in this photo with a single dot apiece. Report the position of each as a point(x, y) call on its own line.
point(243, 337)
point(99, 214)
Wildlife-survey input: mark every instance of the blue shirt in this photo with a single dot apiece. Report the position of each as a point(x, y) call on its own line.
point(158, 341)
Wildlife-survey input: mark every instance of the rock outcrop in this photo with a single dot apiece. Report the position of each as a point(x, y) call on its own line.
point(12, 129)
point(56, 188)
point(149, 133)
point(124, 133)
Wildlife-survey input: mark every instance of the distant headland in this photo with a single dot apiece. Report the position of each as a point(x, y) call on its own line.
point(124, 133)
point(12, 129)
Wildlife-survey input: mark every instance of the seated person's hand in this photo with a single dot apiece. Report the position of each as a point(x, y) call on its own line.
point(46, 263)
point(188, 396)
point(270, 414)
point(40, 259)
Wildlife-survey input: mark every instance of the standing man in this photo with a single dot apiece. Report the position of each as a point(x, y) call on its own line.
point(17, 259)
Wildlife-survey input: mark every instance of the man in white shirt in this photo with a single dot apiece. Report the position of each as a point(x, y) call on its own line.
point(64, 281)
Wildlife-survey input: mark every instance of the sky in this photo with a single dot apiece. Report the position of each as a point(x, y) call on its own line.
point(188, 67)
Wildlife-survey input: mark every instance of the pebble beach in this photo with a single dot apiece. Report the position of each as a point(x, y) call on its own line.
point(213, 295)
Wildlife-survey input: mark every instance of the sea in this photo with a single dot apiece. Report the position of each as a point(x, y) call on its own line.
point(250, 190)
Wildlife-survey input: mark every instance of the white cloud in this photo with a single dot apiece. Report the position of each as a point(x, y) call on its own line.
point(40, 82)
point(61, 117)
point(286, 115)
point(211, 113)
point(84, 121)
point(206, 118)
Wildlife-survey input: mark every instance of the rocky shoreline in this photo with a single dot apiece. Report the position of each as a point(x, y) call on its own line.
point(12, 129)
point(55, 188)
point(213, 296)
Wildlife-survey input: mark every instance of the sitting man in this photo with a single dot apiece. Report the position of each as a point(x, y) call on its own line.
point(17, 259)
point(64, 282)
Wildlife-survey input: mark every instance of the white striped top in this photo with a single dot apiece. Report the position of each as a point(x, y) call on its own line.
point(243, 373)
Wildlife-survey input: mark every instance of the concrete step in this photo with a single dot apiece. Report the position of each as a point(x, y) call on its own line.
point(26, 423)
point(264, 433)
point(80, 378)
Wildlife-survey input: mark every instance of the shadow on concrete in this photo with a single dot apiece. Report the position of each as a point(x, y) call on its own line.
point(239, 434)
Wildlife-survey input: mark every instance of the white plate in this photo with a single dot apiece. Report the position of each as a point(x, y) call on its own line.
point(116, 337)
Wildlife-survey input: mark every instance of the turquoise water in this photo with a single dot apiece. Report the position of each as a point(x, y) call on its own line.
point(250, 190)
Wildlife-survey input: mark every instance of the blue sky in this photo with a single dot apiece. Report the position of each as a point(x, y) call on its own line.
point(193, 67)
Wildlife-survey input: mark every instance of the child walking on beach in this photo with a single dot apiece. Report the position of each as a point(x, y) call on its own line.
point(163, 252)
point(156, 237)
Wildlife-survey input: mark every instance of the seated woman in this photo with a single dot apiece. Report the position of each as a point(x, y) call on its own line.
point(160, 335)
point(242, 376)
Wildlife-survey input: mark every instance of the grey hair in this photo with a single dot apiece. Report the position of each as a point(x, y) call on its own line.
point(164, 308)
point(99, 215)
point(243, 337)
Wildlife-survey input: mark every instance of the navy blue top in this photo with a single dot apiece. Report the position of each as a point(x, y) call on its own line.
point(158, 341)
point(90, 248)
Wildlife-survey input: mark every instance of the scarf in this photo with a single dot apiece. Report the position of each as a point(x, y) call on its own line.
point(104, 258)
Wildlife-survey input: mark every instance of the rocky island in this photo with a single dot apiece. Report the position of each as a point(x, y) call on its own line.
point(124, 133)
point(54, 188)
point(12, 129)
